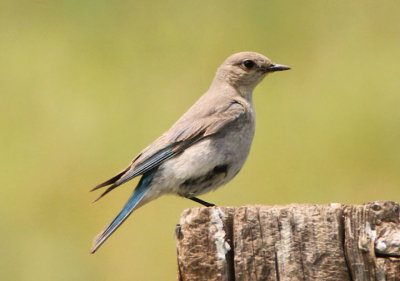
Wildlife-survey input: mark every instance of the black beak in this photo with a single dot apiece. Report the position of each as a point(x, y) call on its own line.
point(277, 67)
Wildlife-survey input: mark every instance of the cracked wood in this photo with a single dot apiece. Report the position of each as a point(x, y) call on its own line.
point(292, 242)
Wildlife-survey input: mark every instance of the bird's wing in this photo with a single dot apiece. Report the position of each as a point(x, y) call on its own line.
point(177, 139)
point(208, 125)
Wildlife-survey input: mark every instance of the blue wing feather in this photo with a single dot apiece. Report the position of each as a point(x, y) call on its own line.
point(149, 164)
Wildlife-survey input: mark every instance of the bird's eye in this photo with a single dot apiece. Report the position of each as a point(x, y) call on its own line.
point(248, 64)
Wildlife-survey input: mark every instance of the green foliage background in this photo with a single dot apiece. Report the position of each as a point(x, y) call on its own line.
point(85, 85)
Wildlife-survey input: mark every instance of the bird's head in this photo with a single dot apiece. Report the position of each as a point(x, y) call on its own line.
point(246, 69)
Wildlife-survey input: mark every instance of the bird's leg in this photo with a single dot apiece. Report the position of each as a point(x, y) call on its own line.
point(195, 199)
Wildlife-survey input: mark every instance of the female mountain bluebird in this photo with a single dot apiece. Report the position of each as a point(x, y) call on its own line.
point(205, 148)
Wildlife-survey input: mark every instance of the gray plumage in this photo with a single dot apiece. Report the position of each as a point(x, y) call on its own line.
point(205, 148)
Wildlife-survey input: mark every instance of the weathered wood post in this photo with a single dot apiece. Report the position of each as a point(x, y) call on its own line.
point(293, 242)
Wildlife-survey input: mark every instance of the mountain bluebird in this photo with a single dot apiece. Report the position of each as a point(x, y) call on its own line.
point(205, 148)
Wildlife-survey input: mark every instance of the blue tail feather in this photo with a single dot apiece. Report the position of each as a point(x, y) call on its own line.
point(136, 197)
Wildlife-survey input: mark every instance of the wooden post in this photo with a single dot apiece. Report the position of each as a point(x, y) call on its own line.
point(292, 242)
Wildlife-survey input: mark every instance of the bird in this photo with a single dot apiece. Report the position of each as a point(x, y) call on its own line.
point(205, 148)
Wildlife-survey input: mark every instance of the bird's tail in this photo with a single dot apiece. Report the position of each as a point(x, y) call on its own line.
point(142, 188)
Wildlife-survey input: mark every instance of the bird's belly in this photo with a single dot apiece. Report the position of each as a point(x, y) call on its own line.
point(207, 164)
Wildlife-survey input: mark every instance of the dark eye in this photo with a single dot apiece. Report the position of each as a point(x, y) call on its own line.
point(248, 64)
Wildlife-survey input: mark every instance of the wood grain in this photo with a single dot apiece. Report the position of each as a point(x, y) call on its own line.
point(292, 242)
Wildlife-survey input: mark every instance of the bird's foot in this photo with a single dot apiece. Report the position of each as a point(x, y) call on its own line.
point(202, 202)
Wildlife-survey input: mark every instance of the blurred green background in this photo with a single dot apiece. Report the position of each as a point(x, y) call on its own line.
point(85, 85)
